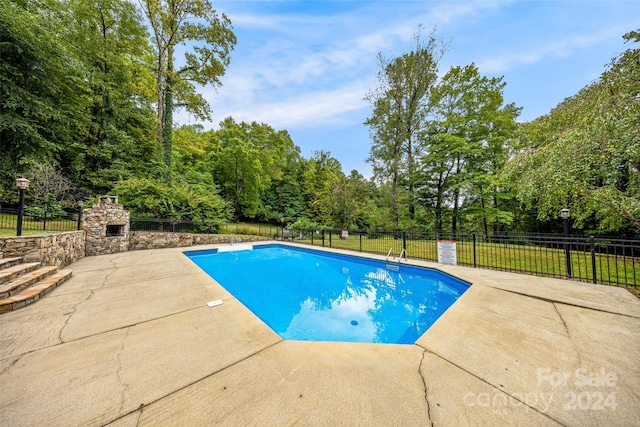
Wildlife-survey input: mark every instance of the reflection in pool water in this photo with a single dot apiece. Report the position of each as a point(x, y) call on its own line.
point(304, 294)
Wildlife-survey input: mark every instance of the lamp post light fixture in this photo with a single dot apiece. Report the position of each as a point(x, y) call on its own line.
point(565, 214)
point(80, 206)
point(22, 184)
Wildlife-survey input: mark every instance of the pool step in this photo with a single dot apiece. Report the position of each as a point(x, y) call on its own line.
point(24, 283)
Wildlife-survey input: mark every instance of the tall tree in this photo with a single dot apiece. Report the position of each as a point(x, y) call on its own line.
point(211, 38)
point(42, 89)
point(465, 145)
point(400, 110)
point(283, 202)
point(585, 154)
point(244, 158)
point(319, 179)
point(112, 44)
point(349, 201)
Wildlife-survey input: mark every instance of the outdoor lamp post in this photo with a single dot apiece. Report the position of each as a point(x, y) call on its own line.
point(80, 206)
point(22, 184)
point(565, 214)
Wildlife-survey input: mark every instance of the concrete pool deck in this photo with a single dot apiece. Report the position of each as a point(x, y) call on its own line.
point(130, 341)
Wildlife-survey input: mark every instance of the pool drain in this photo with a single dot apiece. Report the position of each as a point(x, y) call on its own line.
point(354, 322)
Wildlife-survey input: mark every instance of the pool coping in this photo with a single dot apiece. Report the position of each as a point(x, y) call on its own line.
point(129, 340)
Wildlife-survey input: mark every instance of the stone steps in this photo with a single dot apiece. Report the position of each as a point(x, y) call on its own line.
point(24, 283)
point(10, 273)
point(9, 262)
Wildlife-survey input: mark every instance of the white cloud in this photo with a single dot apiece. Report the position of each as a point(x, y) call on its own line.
point(313, 69)
point(305, 68)
point(309, 109)
point(560, 46)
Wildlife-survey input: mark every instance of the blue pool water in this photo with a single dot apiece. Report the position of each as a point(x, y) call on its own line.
point(303, 294)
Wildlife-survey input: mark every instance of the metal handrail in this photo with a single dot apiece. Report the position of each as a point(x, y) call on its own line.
point(389, 254)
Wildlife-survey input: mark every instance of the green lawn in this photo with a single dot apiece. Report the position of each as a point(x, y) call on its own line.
point(610, 269)
point(30, 226)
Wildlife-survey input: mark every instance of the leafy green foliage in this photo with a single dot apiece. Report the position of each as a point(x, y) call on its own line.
point(199, 203)
point(51, 211)
point(400, 110)
point(181, 22)
point(585, 154)
point(320, 176)
point(42, 101)
point(78, 80)
point(464, 147)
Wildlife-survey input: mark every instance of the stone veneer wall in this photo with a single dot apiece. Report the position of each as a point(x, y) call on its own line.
point(95, 221)
point(140, 240)
point(60, 249)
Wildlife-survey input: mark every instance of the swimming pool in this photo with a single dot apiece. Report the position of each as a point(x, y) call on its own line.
point(305, 294)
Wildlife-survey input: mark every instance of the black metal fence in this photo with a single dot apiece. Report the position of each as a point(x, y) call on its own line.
point(584, 258)
point(38, 224)
point(172, 225)
point(184, 226)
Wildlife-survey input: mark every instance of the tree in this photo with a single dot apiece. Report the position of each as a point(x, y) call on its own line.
point(320, 176)
point(585, 154)
point(349, 201)
point(400, 110)
point(465, 146)
point(467, 143)
point(111, 42)
point(244, 158)
point(211, 39)
point(42, 102)
point(200, 203)
point(283, 202)
point(48, 188)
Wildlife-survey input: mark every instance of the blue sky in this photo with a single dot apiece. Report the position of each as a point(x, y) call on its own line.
point(305, 66)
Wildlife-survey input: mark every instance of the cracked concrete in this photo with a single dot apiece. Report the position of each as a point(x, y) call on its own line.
point(129, 341)
point(424, 383)
point(568, 333)
point(124, 385)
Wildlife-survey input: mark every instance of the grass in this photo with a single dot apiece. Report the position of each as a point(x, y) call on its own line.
point(542, 261)
point(538, 260)
point(30, 226)
point(251, 229)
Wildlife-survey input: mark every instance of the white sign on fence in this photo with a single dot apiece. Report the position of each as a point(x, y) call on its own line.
point(447, 252)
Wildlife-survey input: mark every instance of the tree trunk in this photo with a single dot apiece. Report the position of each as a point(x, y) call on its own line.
point(167, 123)
point(456, 198)
point(410, 178)
point(495, 205)
point(394, 196)
point(484, 215)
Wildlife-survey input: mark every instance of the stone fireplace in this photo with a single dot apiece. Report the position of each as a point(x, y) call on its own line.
point(106, 226)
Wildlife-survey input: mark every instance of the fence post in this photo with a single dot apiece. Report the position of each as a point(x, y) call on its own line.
point(404, 243)
point(360, 241)
point(330, 239)
point(474, 249)
point(323, 237)
point(593, 259)
point(567, 245)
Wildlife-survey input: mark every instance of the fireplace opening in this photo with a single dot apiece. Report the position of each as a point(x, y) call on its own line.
point(115, 230)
